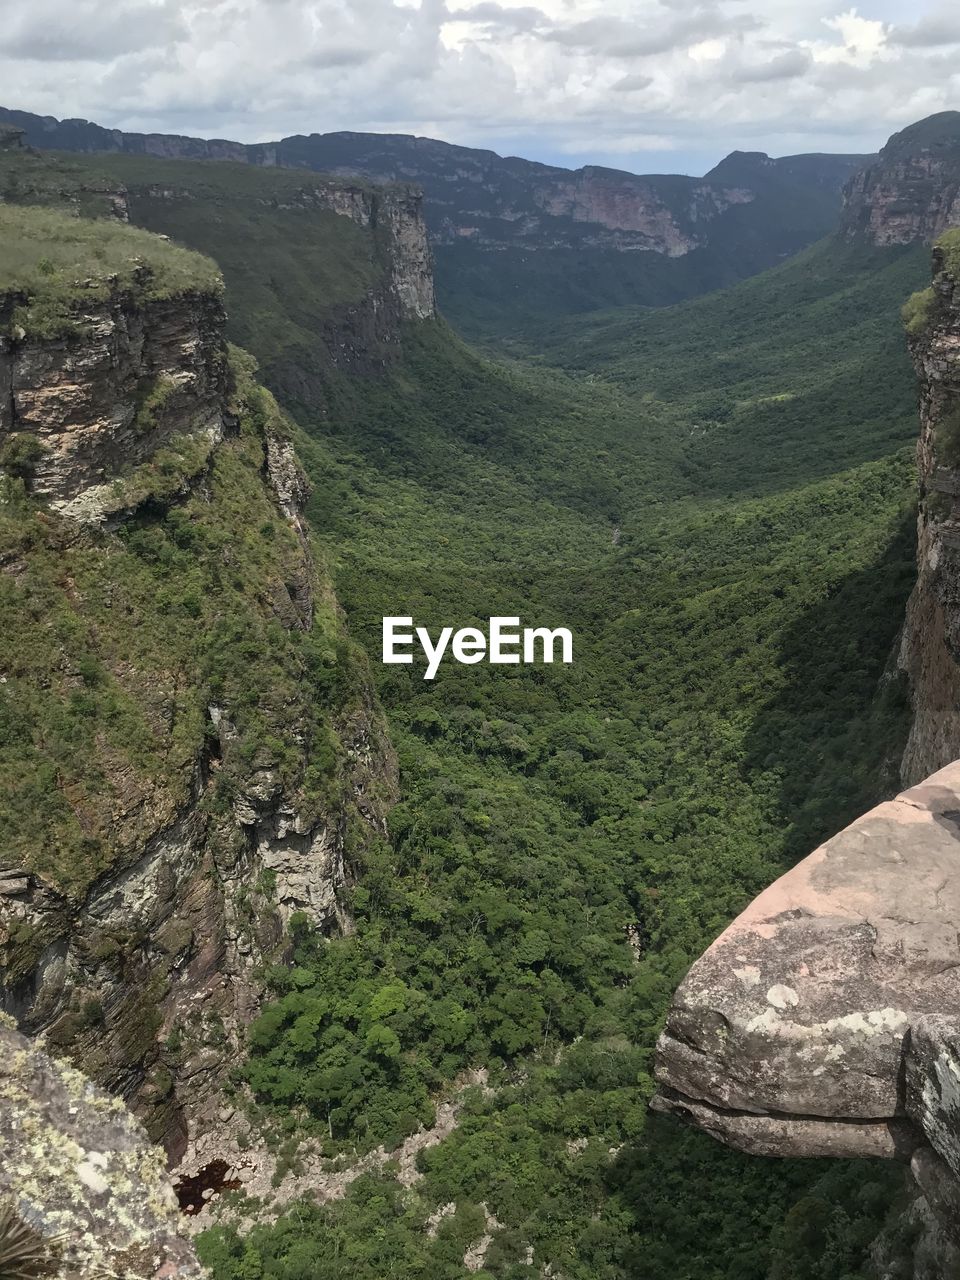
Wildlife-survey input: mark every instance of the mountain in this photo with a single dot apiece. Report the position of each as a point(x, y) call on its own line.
point(516, 241)
point(439, 1023)
point(912, 191)
point(188, 735)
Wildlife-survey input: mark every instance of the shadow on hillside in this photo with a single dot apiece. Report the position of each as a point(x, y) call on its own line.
point(828, 744)
point(825, 747)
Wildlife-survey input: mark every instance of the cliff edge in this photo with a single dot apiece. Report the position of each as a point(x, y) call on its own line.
point(825, 1020)
point(911, 193)
point(189, 735)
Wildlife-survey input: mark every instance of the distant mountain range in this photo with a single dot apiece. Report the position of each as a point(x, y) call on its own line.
point(517, 241)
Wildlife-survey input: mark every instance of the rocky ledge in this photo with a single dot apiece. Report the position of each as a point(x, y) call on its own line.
point(812, 1023)
point(81, 1188)
point(825, 1021)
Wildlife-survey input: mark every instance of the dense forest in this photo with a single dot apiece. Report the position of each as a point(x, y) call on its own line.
point(716, 498)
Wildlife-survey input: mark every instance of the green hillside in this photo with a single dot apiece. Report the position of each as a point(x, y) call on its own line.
point(511, 252)
point(717, 499)
point(726, 711)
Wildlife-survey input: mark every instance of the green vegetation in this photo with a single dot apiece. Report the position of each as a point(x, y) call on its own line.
point(726, 711)
point(97, 751)
point(949, 242)
point(58, 263)
point(716, 498)
point(793, 375)
point(919, 311)
point(494, 294)
point(270, 234)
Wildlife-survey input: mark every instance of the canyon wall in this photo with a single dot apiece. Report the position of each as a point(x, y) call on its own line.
point(930, 649)
point(494, 201)
point(825, 1020)
point(129, 374)
point(911, 192)
point(183, 776)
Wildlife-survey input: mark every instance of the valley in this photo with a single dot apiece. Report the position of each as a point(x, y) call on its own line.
point(717, 497)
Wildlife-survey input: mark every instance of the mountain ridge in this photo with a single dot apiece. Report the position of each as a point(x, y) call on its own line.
point(524, 236)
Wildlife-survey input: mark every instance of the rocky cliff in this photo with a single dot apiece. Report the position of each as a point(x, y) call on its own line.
point(825, 1021)
point(131, 373)
point(514, 237)
point(189, 738)
point(930, 650)
point(480, 195)
point(911, 193)
point(346, 264)
point(82, 1191)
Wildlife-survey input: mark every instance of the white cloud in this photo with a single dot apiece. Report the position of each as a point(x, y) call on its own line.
point(582, 78)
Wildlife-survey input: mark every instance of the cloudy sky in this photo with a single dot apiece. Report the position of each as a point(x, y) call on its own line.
point(647, 85)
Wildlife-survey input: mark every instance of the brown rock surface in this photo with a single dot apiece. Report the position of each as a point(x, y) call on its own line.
point(104, 397)
point(789, 1035)
point(911, 193)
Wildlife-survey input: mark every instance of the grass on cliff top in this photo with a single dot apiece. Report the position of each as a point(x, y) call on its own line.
point(58, 262)
point(921, 309)
point(250, 219)
point(949, 242)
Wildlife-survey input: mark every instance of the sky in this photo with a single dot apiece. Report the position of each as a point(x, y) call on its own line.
point(646, 85)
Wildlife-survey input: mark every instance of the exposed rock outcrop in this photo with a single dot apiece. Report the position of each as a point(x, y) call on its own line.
point(930, 649)
point(911, 193)
point(825, 1021)
point(493, 200)
point(137, 949)
point(79, 1175)
point(129, 374)
point(792, 1034)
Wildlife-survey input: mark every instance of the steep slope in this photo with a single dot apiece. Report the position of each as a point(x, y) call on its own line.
point(825, 1019)
point(911, 192)
point(362, 250)
point(186, 729)
point(570, 838)
point(577, 835)
point(929, 651)
point(518, 241)
point(812, 350)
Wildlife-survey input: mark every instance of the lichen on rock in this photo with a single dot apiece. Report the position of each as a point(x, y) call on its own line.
point(78, 1171)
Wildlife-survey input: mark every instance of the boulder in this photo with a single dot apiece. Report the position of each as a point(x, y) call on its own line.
point(794, 1033)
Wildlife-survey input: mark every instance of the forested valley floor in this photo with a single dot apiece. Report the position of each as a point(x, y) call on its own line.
point(717, 499)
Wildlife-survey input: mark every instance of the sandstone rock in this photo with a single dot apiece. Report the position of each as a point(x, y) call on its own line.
point(79, 1171)
point(930, 646)
point(911, 193)
point(790, 1035)
point(103, 398)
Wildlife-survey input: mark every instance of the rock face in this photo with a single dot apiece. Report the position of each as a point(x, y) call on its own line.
point(930, 648)
point(825, 1021)
point(791, 1035)
point(514, 237)
point(911, 193)
point(130, 374)
point(146, 970)
point(479, 195)
point(79, 1173)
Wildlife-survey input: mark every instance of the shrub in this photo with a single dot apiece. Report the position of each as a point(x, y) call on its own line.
point(918, 311)
point(20, 454)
